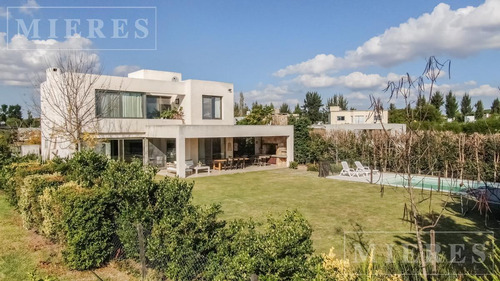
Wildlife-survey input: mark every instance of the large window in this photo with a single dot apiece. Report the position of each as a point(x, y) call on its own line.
point(212, 107)
point(119, 104)
point(155, 105)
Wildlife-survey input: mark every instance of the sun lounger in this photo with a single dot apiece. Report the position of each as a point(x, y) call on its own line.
point(363, 169)
point(346, 171)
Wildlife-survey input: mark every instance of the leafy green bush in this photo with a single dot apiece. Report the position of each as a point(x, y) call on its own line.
point(87, 224)
point(313, 167)
point(134, 188)
point(32, 188)
point(51, 214)
point(86, 167)
point(13, 177)
point(279, 251)
point(182, 233)
point(293, 165)
point(336, 168)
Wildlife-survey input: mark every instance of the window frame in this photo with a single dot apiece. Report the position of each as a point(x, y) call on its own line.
point(99, 115)
point(212, 107)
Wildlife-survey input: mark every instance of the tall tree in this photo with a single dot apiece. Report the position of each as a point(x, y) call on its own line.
point(312, 107)
point(65, 97)
point(495, 106)
point(242, 106)
point(297, 110)
point(14, 111)
point(466, 106)
point(284, 108)
point(3, 112)
point(451, 105)
point(479, 110)
point(421, 101)
point(29, 120)
point(437, 100)
point(337, 100)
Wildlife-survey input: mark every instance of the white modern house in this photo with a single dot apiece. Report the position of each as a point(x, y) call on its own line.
point(338, 116)
point(128, 123)
point(358, 121)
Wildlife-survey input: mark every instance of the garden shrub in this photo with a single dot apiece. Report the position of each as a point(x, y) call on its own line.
point(294, 165)
point(86, 167)
point(13, 177)
point(313, 167)
point(31, 189)
point(336, 167)
point(87, 224)
point(279, 249)
point(133, 185)
point(51, 214)
point(182, 234)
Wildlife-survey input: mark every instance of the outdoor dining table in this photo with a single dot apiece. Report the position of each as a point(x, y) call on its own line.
point(217, 164)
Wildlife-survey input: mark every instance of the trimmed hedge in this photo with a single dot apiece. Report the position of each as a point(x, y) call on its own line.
point(87, 224)
point(33, 186)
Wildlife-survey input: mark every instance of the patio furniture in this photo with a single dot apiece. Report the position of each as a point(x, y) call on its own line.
point(363, 169)
point(263, 160)
point(217, 164)
point(202, 168)
point(189, 167)
point(346, 171)
point(230, 164)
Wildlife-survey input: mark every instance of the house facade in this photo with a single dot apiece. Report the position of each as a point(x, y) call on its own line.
point(339, 117)
point(161, 118)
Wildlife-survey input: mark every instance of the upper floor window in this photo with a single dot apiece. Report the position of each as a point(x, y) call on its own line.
point(155, 105)
point(340, 118)
point(113, 104)
point(212, 107)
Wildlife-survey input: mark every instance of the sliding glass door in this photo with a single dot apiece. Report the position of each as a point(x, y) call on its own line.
point(210, 149)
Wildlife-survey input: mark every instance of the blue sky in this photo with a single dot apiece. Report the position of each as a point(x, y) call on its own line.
point(276, 51)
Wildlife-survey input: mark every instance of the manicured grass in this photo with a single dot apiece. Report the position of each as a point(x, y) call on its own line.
point(331, 206)
point(23, 253)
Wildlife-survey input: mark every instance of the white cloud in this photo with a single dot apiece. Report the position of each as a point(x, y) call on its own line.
point(268, 94)
point(29, 7)
point(354, 81)
point(124, 70)
point(26, 59)
point(459, 33)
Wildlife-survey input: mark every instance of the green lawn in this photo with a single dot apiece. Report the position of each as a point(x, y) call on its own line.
point(23, 253)
point(331, 206)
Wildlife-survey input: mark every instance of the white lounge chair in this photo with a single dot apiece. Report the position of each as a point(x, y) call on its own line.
point(364, 170)
point(189, 167)
point(346, 171)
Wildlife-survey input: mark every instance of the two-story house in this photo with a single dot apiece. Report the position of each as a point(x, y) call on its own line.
point(128, 115)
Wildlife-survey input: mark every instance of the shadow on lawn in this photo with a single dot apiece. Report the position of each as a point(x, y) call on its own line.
point(463, 241)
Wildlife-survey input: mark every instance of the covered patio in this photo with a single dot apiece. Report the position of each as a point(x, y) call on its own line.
point(182, 149)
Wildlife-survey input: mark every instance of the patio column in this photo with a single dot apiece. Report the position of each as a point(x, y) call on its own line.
point(289, 150)
point(180, 154)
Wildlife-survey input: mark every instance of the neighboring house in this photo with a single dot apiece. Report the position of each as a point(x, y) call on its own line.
point(358, 121)
point(469, 118)
point(338, 116)
point(127, 111)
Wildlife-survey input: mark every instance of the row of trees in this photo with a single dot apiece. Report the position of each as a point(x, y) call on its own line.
point(12, 116)
point(313, 109)
point(431, 110)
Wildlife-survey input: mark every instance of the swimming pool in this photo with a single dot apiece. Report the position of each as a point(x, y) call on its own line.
point(433, 183)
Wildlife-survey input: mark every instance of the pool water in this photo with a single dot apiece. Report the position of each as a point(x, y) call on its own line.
point(433, 183)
